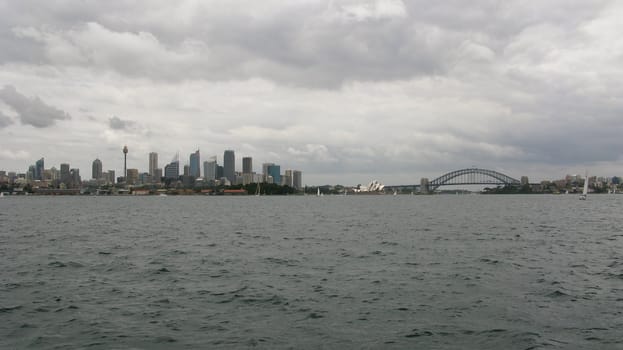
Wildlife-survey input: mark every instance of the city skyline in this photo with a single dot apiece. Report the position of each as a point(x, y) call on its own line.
point(357, 90)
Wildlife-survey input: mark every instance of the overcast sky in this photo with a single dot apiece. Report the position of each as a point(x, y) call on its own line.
point(346, 91)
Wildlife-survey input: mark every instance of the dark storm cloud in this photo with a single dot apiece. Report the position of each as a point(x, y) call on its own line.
point(31, 111)
point(116, 123)
point(5, 120)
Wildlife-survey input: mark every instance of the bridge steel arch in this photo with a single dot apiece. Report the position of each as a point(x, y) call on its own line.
point(472, 176)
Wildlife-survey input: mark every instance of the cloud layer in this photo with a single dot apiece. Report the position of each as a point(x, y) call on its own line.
point(388, 89)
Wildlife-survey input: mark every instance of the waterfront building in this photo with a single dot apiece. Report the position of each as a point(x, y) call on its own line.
point(39, 167)
point(75, 180)
point(96, 169)
point(274, 171)
point(132, 178)
point(297, 179)
point(195, 165)
point(424, 185)
point(110, 177)
point(157, 176)
point(219, 172)
point(65, 175)
point(247, 165)
point(172, 170)
point(265, 174)
point(30, 174)
point(229, 165)
point(524, 181)
point(153, 163)
point(286, 179)
point(209, 169)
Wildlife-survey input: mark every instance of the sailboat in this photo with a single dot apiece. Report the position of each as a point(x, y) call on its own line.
point(318, 194)
point(257, 190)
point(585, 190)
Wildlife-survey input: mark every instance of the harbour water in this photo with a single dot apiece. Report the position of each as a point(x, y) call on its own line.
point(306, 272)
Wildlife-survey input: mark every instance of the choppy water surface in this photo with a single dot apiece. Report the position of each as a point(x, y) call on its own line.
point(429, 272)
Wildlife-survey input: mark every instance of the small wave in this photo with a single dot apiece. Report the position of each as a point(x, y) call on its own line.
point(415, 333)
point(5, 309)
point(62, 264)
point(557, 294)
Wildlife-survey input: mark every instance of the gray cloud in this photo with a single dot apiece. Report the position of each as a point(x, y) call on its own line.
point(117, 123)
point(31, 111)
point(5, 120)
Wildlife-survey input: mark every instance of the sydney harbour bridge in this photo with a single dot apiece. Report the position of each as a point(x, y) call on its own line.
point(468, 176)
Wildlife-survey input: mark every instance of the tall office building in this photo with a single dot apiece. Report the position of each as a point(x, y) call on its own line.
point(132, 178)
point(229, 166)
point(39, 167)
point(111, 177)
point(195, 165)
point(96, 169)
point(153, 163)
point(274, 171)
point(172, 170)
point(247, 165)
point(209, 169)
point(265, 174)
point(65, 175)
point(286, 180)
point(75, 180)
point(297, 179)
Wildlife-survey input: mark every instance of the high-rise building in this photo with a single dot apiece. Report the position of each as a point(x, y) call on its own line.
point(111, 177)
point(153, 163)
point(195, 165)
point(286, 180)
point(75, 180)
point(186, 170)
point(132, 178)
point(96, 169)
point(157, 176)
point(209, 169)
point(297, 179)
point(229, 166)
point(265, 174)
point(65, 175)
point(247, 165)
point(172, 170)
point(30, 174)
point(274, 171)
point(39, 167)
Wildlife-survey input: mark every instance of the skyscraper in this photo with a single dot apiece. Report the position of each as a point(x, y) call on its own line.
point(153, 163)
point(172, 170)
point(209, 169)
point(229, 166)
point(39, 167)
point(195, 164)
point(65, 175)
point(297, 179)
point(274, 170)
point(96, 169)
point(265, 174)
point(286, 179)
point(247, 165)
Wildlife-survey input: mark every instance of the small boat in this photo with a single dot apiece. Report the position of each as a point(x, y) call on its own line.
point(585, 190)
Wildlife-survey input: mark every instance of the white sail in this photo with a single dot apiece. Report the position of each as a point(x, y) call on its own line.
point(585, 190)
